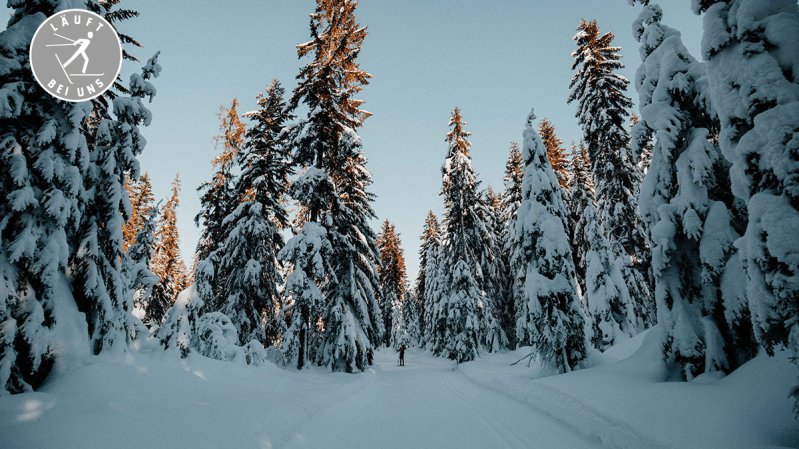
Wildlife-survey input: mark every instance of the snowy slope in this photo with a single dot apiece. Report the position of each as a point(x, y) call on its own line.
point(156, 401)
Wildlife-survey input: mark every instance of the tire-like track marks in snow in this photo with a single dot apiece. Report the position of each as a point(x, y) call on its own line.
point(427, 404)
point(564, 408)
point(323, 404)
point(496, 424)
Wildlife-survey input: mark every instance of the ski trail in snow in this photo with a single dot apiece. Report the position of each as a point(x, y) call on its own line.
point(568, 410)
point(425, 404)
point(504, 432)
point(321, 405)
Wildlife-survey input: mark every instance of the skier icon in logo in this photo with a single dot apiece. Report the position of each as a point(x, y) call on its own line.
point(82, 45)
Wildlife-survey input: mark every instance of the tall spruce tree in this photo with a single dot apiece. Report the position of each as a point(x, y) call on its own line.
point(468, 322)
point(606, 299)
point(511, 198)
point(497, 269)
point(428, 250)
point(408, 333)
point(434, 320)
point(333, 257)
point(219, 196)
point(393, 280)
point(167, 262)
point(686, 200)
point(99, 285)
point(548, 311)
point(602, 110)
point(63, 204)
point(753, 68)
point(137, 267)
point(245, 264)
point(43, 158)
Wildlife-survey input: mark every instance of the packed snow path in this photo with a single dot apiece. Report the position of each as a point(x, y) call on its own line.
point(428, 404)
point(159, 401)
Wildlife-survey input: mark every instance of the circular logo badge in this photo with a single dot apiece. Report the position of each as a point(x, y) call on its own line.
point(75, 55)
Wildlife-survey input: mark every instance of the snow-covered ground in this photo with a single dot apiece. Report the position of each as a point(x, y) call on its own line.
point(154, 401)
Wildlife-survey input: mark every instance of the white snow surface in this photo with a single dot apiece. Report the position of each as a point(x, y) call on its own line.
point(155, 400)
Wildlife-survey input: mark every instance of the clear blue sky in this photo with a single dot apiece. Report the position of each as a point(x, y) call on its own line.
point(494, 59)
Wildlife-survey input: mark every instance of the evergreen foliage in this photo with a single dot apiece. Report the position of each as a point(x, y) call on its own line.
point(246, 267)
point(555, 152)
point(500, 279)
point(548, 312)
point(428, 250)
point(602, 110)
point(44, 158)
point(753, 70)
point(142, 208)
point(167, 262)
point(63, 204)
point(684, 200)
point(464, 320)
point(393, 280)
point(333, 283)
point(137, 268)
point(219, 196)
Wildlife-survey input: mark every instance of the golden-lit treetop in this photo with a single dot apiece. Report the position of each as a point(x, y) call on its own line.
point(457, 136)
point(555, 152)
point(336, 41)
point(141, 204)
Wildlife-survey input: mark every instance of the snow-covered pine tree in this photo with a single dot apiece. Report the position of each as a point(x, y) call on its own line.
point(511, 198)
point(42, 159)
point(167, 262)
point(136, 266)
point(333, 280)
point(409, 335)
point(555, 152)
point(499, 284)
point(549, 316)
point(602, 110)
point(117, 143)
point(142, 207)
point(582, 195)
point(606, 299)
point(393, 280)
point(428, 250)
point(686, 200)
point(468, 324)
point(753, 67)
point(605, 296)
point(247, 257)
point(218, 196)
point(353, 315)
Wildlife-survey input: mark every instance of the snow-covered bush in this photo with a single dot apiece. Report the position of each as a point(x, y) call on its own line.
point(180, 323)
point(212, 335)
point(216, 337)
